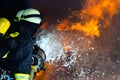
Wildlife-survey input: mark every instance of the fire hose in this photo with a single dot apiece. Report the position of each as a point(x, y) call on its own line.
point(38, 60)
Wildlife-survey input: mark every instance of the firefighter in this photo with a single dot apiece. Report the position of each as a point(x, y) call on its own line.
point(4, 26)
point(20, 43)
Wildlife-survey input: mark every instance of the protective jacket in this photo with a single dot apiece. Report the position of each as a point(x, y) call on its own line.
point(18, 48)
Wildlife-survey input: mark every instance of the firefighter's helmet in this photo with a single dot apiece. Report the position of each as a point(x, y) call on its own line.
point(18, 15)
point(30, 15)
point(4, 25)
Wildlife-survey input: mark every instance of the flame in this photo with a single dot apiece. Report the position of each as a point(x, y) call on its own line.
point(67, 47)
point(63, 25)
point(43, 26)
point(43, 75)
point(94, 15)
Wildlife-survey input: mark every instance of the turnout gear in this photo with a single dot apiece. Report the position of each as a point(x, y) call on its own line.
point(38, 59)
point(19, 44)
point(4, 25)
point(20, 76)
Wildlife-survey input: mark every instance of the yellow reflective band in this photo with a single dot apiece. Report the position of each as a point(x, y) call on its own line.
point(34, 67)
point(6, 55)
point(20, 76)
point(15, 34)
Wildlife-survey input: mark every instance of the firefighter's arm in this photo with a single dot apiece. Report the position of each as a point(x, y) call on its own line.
point(12, 40)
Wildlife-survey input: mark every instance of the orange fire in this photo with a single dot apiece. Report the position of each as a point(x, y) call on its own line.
point(43, 26)
point(67, 47)
point(95, 14)
point(44, 75)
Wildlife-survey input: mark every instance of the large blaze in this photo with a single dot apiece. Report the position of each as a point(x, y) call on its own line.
point(77, 34)
point(94, 15)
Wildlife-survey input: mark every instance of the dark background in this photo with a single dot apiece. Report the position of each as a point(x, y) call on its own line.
point(51, 9)
point(8, 8)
